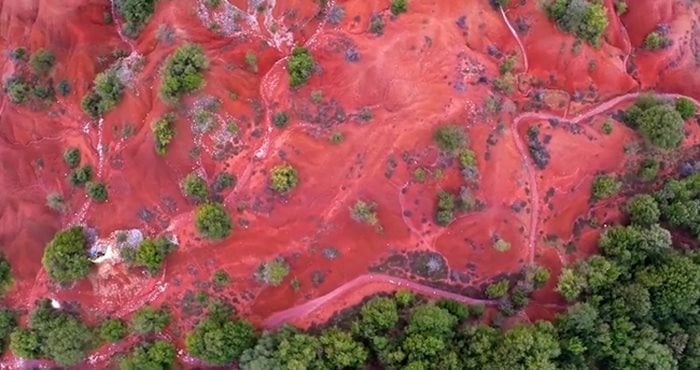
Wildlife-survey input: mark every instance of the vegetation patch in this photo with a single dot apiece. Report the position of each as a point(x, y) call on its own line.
point(113, 330)
point(273, 272)
point(398, 7)
point(65, 257)
point(283, 178)
point(605, 186)
point(538, 151)
point(300, 66)
point(5, 275)
point(150, 254)
point(149, 320)
point(428, 264)
point(80, 176)
point(183, 72)
point(194, 187)
point(213, 221)
point(585, 19)
point(163, 132)
point(97, 191)
point(450, 138)
point(106, 93)
point(136, 14)
point(658, 121)
point(365, 212)
point(159, 354)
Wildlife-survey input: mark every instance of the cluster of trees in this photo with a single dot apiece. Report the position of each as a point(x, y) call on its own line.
point(65, 256)
point(163, 132)
point(52, 334)
point(273, 272)
point(660, 122)
point(452, 141)
point(8, 323)
point(183, 72)
point(586, 19)
point(150, 254)
point(5, 274)
point(105, 95)
point(213, 221)
point(136, 14)
point(283, 178)
point(300, 66)
point(33, 84)
point(158, 354)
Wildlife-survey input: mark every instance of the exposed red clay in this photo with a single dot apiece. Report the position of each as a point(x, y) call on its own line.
point(426, 69)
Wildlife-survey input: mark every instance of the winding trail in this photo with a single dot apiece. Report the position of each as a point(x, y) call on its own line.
point(309, 307)
point(517, 39)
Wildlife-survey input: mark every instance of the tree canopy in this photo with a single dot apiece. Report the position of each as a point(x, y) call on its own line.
point(213, 221)
point(218, 339)
point(183, 72)
point(159, 354)
point(65, 257)
point(300, 66)
point(149, 320)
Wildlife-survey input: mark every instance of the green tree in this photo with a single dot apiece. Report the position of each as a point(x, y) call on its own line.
point(342, 351)
point(183, 72)
point(65, 257)
point(283, 178)
point(105, 95)
point(151, 253)
point(213, 221)
point(570, 285)
point(71, 157)
point(377, 316)
point(42, 61)
point(280, 119)
point(273, 272)
point(149, 355)
point(17, 89)
point(148, 320)
point(399, 6)
point(497, 289)
point(194, 187)
point(587, 20)
point(80, 176)
point(163, 132)
point(300, 66)
point(219, 340)
point(450, 138)
point(136, 13)
point(685, 107)
point(662, 126)
point(96, 190)
point(5, 274)
point(674, 286)
point(8, 323)
point(605, 186)
point(643, 210)
point(113, 330)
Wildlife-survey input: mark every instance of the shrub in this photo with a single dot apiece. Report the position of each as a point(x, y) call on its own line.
point(18, 54)
point(223, 181)
point(221, 278)
point(501, 245)
point(112, 330)
point(273, 272)
point(213, 4)
point(457, 309)
point(280, 119)
point(498, 289)
point(656, 40)
point(643, 210)
point(150, 355)
point(252, 61)
point(194, 187)
point(450, 138)
point(149, 320)
point(648, 170)
point(163, 132)
point(364, 212)
point(607, 127)
point(283, 178)
point(183, 72)
point(445, 208)
point(376, 25)
point(8, 322)
point(685, 107)
point(583, 18)
point(151, 254)
point(136, 13)
point(5, 277)
point(540, 276)
point(65, 257)
point(42, 61)
point(662, 126)
point(337, 137)
point(399, 6)
point(605, 186)
point(63, 87)
point(55, 202)
point(621, 7)
point(52, 334)
point(404, 298)
point(96, 190)
point(16, 89)
point(80, 176)
point(213, 221)
point(300, 66)
point(71, 157)
point(105, 94)
point(466, 158)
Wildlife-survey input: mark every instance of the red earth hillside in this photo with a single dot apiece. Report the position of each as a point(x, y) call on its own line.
point(384, 93)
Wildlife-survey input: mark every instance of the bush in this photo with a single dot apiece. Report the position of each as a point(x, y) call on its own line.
point(223, 181)
point(52, 334)
point(112, 330)
point(5, 277)
point(149, 320)
point(498, 289)
point(281, 119)
point(364, 212)
point(80, 176)
point(16, 89)
point(42, 61)
point(194, 187)
point(283, 178)
point(136, 13)
point(404, 298)
point(399, 6)
point(685, 107)
point(376, 25)
point(605, 186)
point(151, 355)
point(501, 245)
point(273, 272)
point(55, 202)
point(221, 278)
point(656, 40)
point(213, 221)
point(18, 54)
point(450, 138)
point(300, 66)
point(183, 72)
point(583, 18)
point(71, 157)
point(219, 340)
point(457, 309)
point(648, 170)
point(97, 191)
point(151, 254)
point(252, 61)
point(65, 257)
point(106, 93)
point(445, 208)
point(643, 210)
point(163, 132)
point(662, 126)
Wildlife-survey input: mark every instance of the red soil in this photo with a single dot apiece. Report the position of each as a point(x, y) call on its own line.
point(422, 72)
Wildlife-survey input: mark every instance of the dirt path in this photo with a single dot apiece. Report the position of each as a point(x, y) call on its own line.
point(392, 282)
